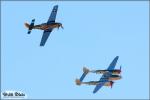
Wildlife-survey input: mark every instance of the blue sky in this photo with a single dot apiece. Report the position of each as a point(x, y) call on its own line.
point(94, 33)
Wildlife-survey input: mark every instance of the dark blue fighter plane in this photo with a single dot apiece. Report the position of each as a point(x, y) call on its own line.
point(109, 75)
point(47, 27)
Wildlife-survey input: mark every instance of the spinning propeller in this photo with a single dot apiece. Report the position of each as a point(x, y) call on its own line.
point(111, 83)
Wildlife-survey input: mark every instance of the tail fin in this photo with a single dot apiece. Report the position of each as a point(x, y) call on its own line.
point(26, 25)
point(78, 82)
point(85, 70)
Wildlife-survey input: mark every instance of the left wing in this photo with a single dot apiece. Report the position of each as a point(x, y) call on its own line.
point(98, 86)
point(113, 63)
point(53, 15)
point(45, 36)
point(102, 80)
point(50, 20)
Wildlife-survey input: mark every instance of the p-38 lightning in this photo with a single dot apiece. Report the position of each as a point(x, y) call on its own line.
point(108, 76)
point(47, 27)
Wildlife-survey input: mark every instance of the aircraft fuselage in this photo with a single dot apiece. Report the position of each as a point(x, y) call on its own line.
point(46, 26)
point(109, 83)
point(117, 71)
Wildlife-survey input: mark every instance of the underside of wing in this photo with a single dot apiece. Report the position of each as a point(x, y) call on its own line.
point(98, 86)
point(113, 63)
point(102, 80)
point(53, 15)
point(45, 36)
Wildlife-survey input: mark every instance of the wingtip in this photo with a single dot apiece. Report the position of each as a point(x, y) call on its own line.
point(41, 45)
point(117, 57)
point(56, 6)
point(33, 20)
point(94, 92)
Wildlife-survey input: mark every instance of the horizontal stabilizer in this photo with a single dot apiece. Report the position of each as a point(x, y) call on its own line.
point(29, 31)
point(30, 27)
point(85, 70)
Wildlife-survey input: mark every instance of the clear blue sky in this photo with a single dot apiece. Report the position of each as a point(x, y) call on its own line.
point(94, 33)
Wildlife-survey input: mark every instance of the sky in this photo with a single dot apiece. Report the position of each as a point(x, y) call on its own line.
point(94, 33)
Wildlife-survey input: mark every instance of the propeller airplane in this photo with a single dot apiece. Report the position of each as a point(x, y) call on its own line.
point(47, 27)
point(108, 76)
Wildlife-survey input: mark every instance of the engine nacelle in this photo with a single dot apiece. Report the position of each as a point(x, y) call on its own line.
point(114, 77)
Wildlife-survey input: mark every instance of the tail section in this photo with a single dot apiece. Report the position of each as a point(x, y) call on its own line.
point(85, 70)
point(26, 25)
point(78, 82)
point(30, 27)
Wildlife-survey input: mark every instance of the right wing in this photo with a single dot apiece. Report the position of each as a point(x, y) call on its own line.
point(52, 16)
point(45, 36)
point(113, 63)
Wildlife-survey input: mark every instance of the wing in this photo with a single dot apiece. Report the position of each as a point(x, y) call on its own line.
point(102, 80)
point(45, 36)
point(113, 63)
point(105, 76)
point(98, 86)
point(52, 16)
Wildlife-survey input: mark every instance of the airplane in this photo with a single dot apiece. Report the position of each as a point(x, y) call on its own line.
point(47, 27)
point(107, 78)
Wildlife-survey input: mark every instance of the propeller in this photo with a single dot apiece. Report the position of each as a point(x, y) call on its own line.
point(111, 83)
point(61, 26)
point(120, 72)
point(120, 68)
point(58, 28)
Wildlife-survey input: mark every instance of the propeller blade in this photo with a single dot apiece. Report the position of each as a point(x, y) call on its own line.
point(112, 84)
point(121, 76)
point(120, 69)
point(62, 27)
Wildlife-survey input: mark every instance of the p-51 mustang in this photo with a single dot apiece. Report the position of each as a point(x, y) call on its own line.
point(109, 75)
point(47, 27)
